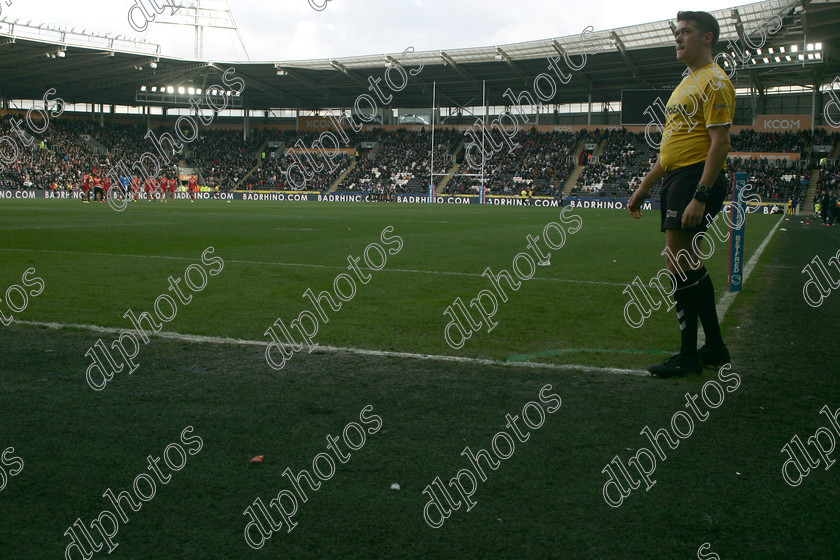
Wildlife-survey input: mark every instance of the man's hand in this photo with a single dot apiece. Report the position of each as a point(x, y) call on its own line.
point(634, 205)
point(693, 214)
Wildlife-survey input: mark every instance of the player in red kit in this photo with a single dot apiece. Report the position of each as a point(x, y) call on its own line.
point(106, 183)
point(148, 185)
point(173, 184)
point(193, 186)
point(97, 186)
point(86, 189)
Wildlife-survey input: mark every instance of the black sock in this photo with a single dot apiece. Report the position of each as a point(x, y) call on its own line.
point(707, 310)
point(686, 299)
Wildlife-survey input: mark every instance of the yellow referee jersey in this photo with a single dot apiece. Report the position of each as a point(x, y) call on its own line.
point(703, 99)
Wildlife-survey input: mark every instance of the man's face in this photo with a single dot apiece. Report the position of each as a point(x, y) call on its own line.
point(689, 41)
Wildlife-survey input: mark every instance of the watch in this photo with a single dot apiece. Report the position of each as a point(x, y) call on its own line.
point(702, 193)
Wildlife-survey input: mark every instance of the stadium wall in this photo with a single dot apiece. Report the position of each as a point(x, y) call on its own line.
point(794, 104)
point(802, 123)
point(401, 198)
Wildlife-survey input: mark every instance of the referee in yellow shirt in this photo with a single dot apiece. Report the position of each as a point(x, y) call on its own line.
point(691, 160)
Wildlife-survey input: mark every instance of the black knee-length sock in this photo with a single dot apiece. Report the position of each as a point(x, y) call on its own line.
point(686, 298)
point(707, 310)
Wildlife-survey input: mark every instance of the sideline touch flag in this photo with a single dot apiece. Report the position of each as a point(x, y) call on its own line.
point(736, 244)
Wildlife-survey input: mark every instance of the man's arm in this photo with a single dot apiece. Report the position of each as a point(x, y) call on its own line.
point(693, 214)
point(656, 172)
point(717, 154)
point(634, 206)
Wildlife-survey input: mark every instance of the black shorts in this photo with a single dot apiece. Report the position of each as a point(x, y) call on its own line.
point(678, 190)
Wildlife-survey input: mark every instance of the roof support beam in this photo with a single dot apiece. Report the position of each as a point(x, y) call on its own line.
point(592, 88)
point(739, 26)
point(461, 72)
point(298, 77)
point(424, 86)
point(103, 84)
point(411, 77)
point(259, 85)
point(38, 56)
point(352, 75)
point(36, 69)
point(117, 72)
point(514, 66)
point(633, 68)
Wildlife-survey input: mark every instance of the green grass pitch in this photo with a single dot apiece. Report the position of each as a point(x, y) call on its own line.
point(543, 502)
point(98, 263)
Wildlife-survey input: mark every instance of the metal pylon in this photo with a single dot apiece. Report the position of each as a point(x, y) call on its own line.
point(199, 14)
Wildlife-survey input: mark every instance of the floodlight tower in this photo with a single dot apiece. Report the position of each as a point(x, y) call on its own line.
point(200, 14)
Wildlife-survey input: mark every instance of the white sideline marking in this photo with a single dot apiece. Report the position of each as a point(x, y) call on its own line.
point(336, 349)
point(96, 225)
point(302, 265)
point(728, 297)
point(338, 217)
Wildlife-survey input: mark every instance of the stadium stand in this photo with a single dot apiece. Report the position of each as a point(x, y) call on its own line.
point(542, 163)
point(401, 159)
point(829, 178)
point(774, 180)
point(788, 142)
point(270, 175)
point(59, 157)
point(625, 160)
point(223, 157)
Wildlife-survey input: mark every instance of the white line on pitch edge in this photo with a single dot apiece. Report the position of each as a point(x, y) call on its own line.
point(200, 339)
point(728, 297)
point(300, 265)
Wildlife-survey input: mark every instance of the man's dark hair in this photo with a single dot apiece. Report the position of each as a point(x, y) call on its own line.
point(706, 23)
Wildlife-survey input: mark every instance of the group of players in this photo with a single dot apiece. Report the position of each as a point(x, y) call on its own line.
point(155, 189)
point(382, 193)
point(827, 207)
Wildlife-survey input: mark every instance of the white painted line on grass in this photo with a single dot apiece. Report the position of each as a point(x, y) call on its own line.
point(336, 349)
point(299, 265)
point(728, 297)
point(88, 226)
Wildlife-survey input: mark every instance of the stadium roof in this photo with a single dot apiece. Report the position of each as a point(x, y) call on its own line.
point(86, 68)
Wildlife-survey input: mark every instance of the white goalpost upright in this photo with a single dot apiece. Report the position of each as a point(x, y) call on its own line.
point(432, 166)
point(432, 173)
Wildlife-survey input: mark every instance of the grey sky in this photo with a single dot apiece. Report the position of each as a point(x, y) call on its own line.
point(291, 29)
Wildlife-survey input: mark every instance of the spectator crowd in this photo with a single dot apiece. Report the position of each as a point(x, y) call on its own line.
point(541, 163)
point(397, 161)
point(625, 159)
point(776, 180)
point(827, 199)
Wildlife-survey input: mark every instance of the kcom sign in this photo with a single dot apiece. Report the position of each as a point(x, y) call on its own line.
point(782, 123)
point(313, 124)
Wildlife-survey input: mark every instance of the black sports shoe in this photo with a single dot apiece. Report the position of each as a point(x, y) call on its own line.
point(677, 366)
point(715, 356)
